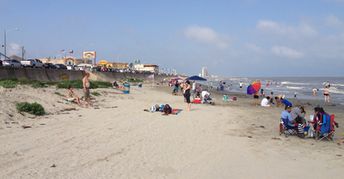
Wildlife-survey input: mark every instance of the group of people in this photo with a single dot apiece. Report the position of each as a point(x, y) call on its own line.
point(193, 90)
point(277, 101)
point(293, 121)
point(73, 97)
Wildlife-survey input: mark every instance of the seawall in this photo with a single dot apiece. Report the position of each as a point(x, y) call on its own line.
point(60, 75)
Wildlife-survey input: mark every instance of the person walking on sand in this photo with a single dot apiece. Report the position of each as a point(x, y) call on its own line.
point(86, 88)
point(327, 94)
point(187, 94)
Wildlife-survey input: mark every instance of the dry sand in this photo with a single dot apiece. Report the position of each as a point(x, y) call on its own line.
point(117, 139)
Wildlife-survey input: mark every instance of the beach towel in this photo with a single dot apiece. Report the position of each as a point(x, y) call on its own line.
point(197, 101)
point(176, 111)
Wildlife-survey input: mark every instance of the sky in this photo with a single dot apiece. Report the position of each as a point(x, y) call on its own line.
point(229, 37)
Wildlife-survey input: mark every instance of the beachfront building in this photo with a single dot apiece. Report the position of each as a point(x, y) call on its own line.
point(204, 72)
point(115, 65)
point(66, 61)
point(147, 68)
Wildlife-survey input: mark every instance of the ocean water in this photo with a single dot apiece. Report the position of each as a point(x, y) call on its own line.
point(288, 86)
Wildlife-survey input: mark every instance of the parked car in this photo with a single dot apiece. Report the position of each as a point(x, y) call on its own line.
point(70, 67)
point(61, 66)
point(84, 66)
point(34, 63)
point(0, 63)
point(12, 63)
point(49, 66)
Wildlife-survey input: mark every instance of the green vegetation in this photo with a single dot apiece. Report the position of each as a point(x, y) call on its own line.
point(100, 84)
point(78, 84)
point(12, 83)
point(95, 93)
point(72, 83)
point(134, 80)
point(31, 108)
point(8, 83)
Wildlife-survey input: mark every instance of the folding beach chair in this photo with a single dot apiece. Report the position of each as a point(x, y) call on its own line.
point(327, 128)
point(286, 129)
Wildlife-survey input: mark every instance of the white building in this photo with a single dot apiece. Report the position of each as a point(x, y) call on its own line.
point(204, 72)
point(147, 68)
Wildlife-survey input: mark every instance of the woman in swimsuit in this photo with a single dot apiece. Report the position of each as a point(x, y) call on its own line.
point(187, 94)
point(327, 94)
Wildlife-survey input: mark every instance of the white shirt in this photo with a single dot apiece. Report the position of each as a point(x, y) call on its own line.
point(193, 86)
point(265, 102)
point(204, 93)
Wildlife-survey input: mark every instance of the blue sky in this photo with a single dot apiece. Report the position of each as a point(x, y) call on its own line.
point(231, 38)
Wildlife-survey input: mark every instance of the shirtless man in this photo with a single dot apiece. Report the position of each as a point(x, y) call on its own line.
point(86, 88)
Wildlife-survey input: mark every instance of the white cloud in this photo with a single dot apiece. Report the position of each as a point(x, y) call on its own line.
point(269, 26)
point(286, 52)
point(206, 35)
point(334, 21)
point(14, 49)
point(255, 48)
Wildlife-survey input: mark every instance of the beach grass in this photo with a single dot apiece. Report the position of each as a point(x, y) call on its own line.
point(78, 84)
point(134, 80)
point(12, 83)
point(31, 108)
point(8, 83)
point(95, 93)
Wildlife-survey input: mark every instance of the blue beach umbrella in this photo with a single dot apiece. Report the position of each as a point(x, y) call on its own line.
point(196, 78)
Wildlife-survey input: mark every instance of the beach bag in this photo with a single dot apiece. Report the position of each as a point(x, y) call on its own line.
point(161, 107)
point(167, 109)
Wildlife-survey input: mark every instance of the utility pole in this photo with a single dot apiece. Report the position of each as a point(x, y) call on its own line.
point(5, 44)
point(23, 52)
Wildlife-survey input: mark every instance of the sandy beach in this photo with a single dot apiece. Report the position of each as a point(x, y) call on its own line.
point(117, 139)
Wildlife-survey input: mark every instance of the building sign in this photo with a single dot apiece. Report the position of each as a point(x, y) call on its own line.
point(89, 54)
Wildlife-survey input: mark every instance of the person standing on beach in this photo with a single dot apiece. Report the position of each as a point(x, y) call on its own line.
point(327, 94)
point(315, 91)
point(241, 84)
point(187, 94)
point(262, 94)
point(86, 88)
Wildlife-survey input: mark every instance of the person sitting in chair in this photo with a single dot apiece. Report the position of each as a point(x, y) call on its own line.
point(287, 121)
point(298, 116)
point(205, 97)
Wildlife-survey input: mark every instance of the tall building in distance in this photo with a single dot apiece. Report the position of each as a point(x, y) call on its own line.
point(204, 72)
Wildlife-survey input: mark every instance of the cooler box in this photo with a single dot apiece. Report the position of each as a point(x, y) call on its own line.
point(126, 88)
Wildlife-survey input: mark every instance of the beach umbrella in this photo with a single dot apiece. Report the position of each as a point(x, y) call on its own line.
point(254, 87)
point(196, 78)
